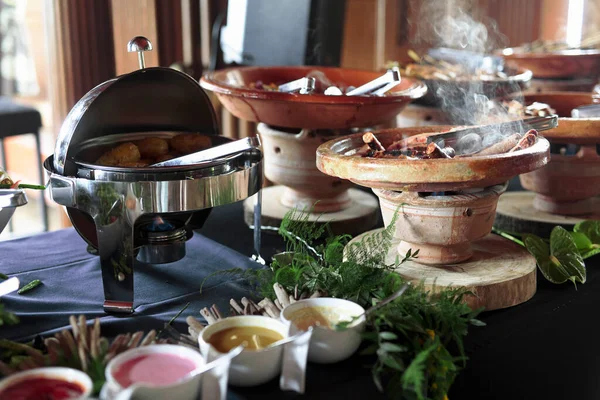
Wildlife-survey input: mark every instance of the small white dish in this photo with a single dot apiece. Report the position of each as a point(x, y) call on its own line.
point(251, 367)
point(65, 374)
point(329, 346)
point(185, 389)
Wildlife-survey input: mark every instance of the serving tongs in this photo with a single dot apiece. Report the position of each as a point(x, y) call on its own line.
point(587, 111)
point(378, 86)
point(214, 153)
point(303, 86)
point(537, 123)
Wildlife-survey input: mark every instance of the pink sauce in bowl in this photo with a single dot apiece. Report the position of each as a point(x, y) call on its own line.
point(153, 369)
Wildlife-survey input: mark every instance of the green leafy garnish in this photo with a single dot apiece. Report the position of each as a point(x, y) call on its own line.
point(7, 318)
point(30, 286)
point(560, 260)
point(591, 229)
point(23, 186)
point(410, 337)
point(582, 242)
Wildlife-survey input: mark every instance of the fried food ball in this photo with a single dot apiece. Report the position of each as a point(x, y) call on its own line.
point(166, 157)
point(190, 143)
point(133, 164)
point(153, 147)
point(123, 153)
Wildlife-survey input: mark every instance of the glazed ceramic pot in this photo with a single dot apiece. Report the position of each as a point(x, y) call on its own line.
point(441, 226)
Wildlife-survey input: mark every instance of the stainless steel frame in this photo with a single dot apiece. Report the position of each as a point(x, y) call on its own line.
point(115, 209)
point(119, 210)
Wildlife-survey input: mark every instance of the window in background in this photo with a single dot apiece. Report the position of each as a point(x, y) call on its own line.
point(24, 77)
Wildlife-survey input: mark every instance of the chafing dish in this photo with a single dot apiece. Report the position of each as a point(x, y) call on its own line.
point(140, 216)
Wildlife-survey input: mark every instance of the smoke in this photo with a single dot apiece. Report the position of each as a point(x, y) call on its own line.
point(460, 25)
point(455, 24)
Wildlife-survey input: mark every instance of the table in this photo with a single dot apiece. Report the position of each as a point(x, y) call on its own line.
point(543, 349)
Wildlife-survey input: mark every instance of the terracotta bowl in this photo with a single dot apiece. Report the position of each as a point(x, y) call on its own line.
point(560, 64)
point(439, 90)
point(443, 204)
point(561, 85)
point(569, 182)
point(336, 158)
point(316, 111)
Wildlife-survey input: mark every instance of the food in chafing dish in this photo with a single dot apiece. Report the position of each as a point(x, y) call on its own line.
point(151, 150)
point(416, 147)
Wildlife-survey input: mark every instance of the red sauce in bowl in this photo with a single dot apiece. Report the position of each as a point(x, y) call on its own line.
point(40, 388)
point(154, 369)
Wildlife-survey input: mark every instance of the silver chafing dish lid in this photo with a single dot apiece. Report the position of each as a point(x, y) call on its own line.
point(149, 99)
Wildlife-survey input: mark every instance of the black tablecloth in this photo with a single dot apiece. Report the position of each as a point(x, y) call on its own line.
point(543, 349)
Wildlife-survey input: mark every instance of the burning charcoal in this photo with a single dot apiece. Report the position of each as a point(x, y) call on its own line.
point(435, 151)
point(416, 140)
point(418, 151)
point(526, 141)
point(502, 146)
point(469, 144)
point(378, 154)
point(364, 151)
point(372, 142)
point(397, 153)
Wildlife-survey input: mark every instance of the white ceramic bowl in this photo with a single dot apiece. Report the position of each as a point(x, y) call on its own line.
point(251, 367)
point(184, 389)
point(328, 346)
point(66, 374)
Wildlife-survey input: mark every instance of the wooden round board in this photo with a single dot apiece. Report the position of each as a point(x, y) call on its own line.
point(361, 215)
point(515, 214)
point(500, 274)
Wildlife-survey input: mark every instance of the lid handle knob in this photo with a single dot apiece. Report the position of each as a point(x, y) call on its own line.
point(139, 44)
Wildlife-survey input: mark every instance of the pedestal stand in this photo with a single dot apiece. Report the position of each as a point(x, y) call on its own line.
point(290, 162)
point(500, 273)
